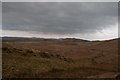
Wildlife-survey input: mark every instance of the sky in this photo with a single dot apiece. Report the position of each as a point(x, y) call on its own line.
point(60, 0)
point(84, 20)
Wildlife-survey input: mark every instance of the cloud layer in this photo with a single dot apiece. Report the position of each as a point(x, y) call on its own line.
point(61, 1)
point(59, 18)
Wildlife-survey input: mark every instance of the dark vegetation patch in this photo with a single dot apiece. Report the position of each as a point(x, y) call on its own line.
point(27, 52)
point(20, 63)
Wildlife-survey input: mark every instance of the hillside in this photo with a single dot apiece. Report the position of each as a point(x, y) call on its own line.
point(70, 58)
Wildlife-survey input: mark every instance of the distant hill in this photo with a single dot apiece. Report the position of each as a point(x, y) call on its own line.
point(19, 38)
point(75, 39)
point(34, 38)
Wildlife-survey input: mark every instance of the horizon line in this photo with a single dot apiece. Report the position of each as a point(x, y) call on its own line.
point(59, 38)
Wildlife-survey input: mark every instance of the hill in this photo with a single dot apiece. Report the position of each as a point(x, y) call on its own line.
point(51, 58)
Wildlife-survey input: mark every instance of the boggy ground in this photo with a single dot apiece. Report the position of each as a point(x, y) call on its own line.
point(66, 58)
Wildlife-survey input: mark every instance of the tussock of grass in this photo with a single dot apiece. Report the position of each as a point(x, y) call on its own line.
point(26, 63)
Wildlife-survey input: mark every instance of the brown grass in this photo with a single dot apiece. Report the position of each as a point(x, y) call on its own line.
point(62, 59)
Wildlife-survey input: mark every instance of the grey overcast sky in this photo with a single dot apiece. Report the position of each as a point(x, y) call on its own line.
point(92, 21)
point(60, 0)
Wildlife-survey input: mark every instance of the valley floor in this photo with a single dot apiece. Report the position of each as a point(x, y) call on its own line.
point(59, 59)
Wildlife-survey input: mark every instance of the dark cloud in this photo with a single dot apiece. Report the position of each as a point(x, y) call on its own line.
point(59, 18)
point(0, 14)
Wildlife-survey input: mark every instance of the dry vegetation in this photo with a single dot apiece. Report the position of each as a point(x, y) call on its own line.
point(60, 58)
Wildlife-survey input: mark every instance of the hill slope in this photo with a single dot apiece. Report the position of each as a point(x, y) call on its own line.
point(60, 58)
